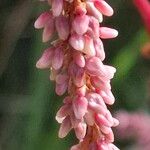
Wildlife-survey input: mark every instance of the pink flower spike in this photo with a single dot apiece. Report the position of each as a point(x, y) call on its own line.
point(80, 24)
point(107, 33)
point(42, 20)
point(77, 42)
point(62, 27)
point(65, 128)
point(57, 7)
point(48, 30)
point(58, 58)
point(103, 7)
point(46, 59)
point(80, 107)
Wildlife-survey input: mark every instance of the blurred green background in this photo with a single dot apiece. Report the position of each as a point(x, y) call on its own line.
point(28, 103)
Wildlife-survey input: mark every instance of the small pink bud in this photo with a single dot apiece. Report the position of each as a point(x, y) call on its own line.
point(42, 20)
point(89, 46)
point(95, 67)
point(75, 147)
point(77, 42)
point(97, 108)
point(79, 59)
point(48, 30)
point(99, 48)
point(107, 33)
point(108, 97)
point(65, 128)
point(61, 88)
point(80, 10)
point(110, 71)
point(77, 74)
point(94, 25)
point(101, 120)
point(92, 10)
point(80, 107)
point(57, 7)
point(62, 27)
point(46, 59)
point(94, 97)
point(113, 147)
point(100, 84)
point(58, 58)
point(81, 91)
point(62, 113)
point(105, 129)
point(80, 131)
point(103, 7)
point(80, 24)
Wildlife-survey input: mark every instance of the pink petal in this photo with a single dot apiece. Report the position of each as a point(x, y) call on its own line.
point(61, 78)
point(94, 25)
point(93, 11)
point(79, 59)
point(103, 7)
point(65, 128)
point(62, 113)
point(107, 33)
point(99, 48)
point(108, 97)
point(77, 42)
point(80, 24)
point(62, 27)
point(95, 67)
point(46, 59)
point(58, 58)
point(80, 107)
point(80, 131)
point(42, 20)
point(57, 7)
point(48, 30)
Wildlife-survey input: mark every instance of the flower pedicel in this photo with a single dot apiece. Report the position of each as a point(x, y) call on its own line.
point(75, 59)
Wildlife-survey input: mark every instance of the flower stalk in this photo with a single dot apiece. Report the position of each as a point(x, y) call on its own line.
point(75, 59)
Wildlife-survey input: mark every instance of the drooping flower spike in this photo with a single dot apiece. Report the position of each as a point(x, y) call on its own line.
point(75, 61)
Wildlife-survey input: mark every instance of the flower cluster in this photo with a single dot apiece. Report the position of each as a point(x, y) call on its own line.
point(75, 61)
point(136, 129)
